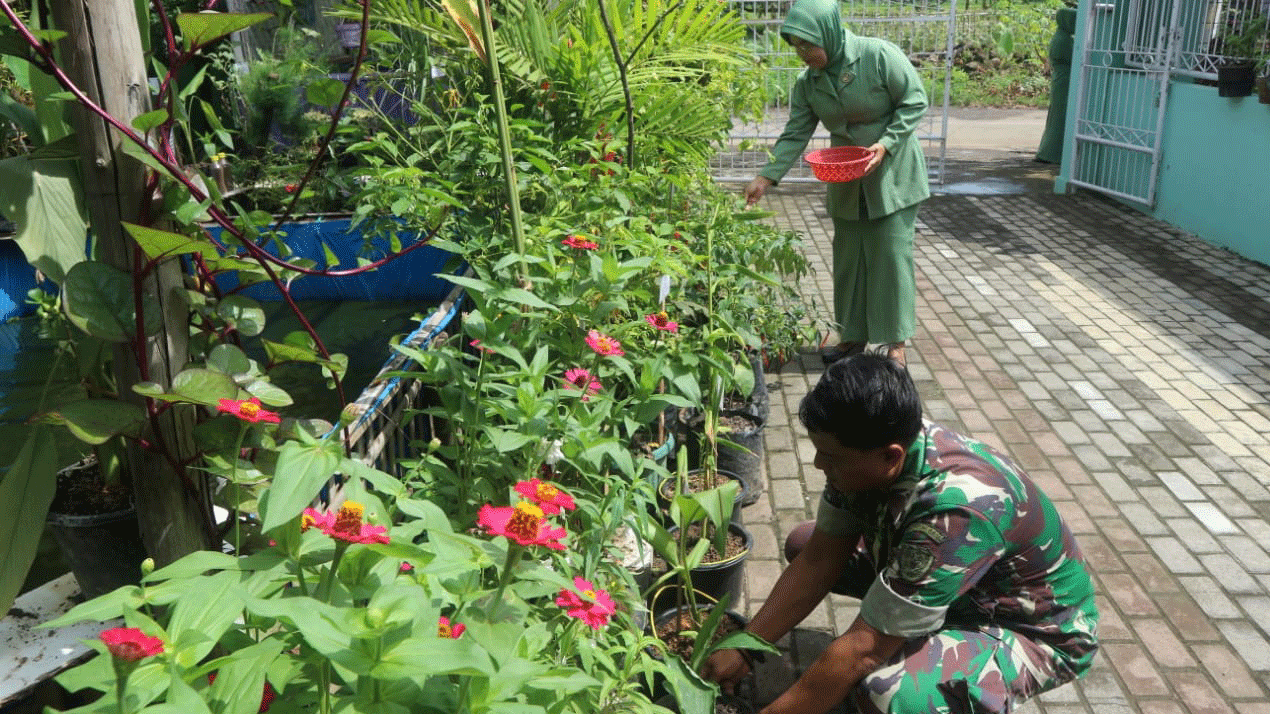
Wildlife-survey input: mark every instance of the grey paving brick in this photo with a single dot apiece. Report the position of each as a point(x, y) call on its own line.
point(1251, 645)
point(1191, 532)
point(1248, 552)
point(1210, 596)
point(1175, 556)
point(1181, 486)
point(1230, 574)
point(1211, 517)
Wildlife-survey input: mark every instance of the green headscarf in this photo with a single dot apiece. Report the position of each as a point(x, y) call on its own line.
point(820, 23)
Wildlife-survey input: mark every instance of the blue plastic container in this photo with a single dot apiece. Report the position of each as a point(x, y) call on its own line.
point(416, 275)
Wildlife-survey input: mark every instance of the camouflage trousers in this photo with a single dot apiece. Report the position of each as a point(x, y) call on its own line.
point(958, 671)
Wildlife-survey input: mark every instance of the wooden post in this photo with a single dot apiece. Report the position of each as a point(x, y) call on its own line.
point(102, 54)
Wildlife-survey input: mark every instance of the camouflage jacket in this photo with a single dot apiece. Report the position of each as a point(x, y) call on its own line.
point(964, 539)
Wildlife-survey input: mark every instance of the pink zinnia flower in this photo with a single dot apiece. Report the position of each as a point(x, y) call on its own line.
point(547, 497)
point(446, 630)
point(405, 568)
point(476, 344)
point(345, 524)
point(523, 524)
point(603, 344)
point(578, 378)
point(580, 243)
point(592, 606)
point(131, 644)
point(662, 321)
point(249, 410)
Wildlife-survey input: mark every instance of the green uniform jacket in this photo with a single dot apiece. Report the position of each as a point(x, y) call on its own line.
point(877, 98)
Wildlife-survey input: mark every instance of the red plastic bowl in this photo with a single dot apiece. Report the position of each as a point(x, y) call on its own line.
point(840, 163)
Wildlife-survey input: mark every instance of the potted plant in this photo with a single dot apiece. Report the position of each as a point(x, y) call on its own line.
point(1240, 45)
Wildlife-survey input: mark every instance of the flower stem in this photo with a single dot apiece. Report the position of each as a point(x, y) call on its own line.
point(324, 587)
point(233, 480)
point(513, 555)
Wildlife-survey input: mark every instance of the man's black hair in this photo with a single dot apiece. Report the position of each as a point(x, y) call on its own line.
point(865, 401)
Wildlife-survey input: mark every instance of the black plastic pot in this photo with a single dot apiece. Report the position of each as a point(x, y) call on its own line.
point(741, 452)
point(714, 580)
point(104, 550)
point(1236, 80)
point(660, 691)
point(1263, 88)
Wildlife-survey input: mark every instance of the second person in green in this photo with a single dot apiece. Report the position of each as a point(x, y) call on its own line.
point(866, 93)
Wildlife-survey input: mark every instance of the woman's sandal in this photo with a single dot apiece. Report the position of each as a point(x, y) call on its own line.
point(842, 349)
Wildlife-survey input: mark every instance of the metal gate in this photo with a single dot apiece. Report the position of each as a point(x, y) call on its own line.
point(922, 28)
point(1121, 96)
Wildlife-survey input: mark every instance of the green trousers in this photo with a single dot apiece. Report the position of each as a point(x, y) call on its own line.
point(874, 291)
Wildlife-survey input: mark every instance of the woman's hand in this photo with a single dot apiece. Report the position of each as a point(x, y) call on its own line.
point(879, 153)
point(755, 189)
point(727, 667)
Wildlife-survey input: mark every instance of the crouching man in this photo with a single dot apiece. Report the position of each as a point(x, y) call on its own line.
point(975, 596)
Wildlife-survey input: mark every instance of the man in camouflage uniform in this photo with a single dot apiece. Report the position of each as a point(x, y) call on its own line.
point(974, 593)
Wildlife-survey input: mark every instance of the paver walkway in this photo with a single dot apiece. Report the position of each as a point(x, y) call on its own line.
point(1126, 366)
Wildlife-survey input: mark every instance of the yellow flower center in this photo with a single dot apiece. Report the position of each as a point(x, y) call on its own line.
point(248, 409)
point(443, 630)
point(526, 522)
point(349, 517)
point(306, 522)
point(547, 492)
point(589, 593)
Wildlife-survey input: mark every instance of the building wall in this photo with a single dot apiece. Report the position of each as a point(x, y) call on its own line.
point(1214, 177)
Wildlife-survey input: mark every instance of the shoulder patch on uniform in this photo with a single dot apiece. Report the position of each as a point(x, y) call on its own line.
point(916, 556)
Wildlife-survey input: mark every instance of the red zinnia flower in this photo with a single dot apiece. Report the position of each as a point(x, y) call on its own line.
point(578, 378)
point(446, 630)
point(249, 410)
point(547, 497)
point(592, 606)
point(523, 524)
point(345, 524)
point(575, 241)
point(131, 644)
point(662, 321)
point(603, 344)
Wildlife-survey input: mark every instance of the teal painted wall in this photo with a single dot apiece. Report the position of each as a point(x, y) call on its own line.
point(1215, 174)
point(1214, 178)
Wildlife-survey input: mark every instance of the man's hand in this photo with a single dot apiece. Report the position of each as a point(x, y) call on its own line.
point(755, 189)
point(879, 153)
point(727, 667)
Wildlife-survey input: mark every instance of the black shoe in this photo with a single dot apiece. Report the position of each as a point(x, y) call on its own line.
point(830, 355)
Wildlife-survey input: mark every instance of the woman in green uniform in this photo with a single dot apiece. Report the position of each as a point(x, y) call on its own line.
point(866, 93)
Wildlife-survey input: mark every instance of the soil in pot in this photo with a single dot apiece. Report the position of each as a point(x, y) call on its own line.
point(670, 625)
point(103, 548)
point(698, 482)
point(718, 576)
point(740, 451)
point(81, 491)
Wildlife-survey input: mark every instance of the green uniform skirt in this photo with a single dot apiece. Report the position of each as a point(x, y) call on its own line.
point(874, 291)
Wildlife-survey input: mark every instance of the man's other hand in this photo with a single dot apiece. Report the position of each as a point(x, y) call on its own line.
point(727, 667)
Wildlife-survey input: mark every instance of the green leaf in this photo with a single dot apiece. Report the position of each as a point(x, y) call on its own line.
point(240, 679)
point(150, 120)
point(181, 699)
point(194, 564)
point(95, 421)
point(198, 29)
point(243, 314)
point(202, 615)
point(44, 198)
point(99, 301)
point(27, 490)
point(228, 359)
point(268, 393)
point(325, 92)
point(156, 243)
point(429, 656)
point(204, 386)
point(301, 472)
